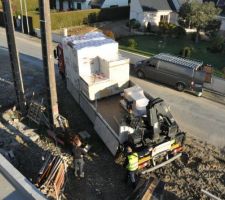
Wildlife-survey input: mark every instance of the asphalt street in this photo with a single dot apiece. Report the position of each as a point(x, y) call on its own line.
point(197, 116)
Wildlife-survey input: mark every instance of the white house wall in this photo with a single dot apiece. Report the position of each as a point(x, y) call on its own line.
point(109, 3)
point(154, 17)
point(137, 13)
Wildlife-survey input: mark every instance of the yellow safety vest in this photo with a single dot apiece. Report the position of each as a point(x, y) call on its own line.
point(132, 162)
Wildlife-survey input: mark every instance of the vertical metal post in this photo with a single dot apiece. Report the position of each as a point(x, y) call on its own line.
point(48, 61)
point(21, 9)
point(14, 57)
point(28, 28)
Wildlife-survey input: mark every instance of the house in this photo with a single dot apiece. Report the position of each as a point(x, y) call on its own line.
point(153, 11)
point(87, 4)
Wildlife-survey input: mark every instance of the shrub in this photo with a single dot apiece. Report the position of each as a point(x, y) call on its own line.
point(179, 31)
point(166, 28)
point(149, 27)
point(186, 52)
point(212, 28)
point(132, 43)
point(79, 17)
point(217, 44)
point(31, 5)
point(133, 23)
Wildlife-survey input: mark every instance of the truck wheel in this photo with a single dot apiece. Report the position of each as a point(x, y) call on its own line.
point(180, 87)
point(140, 74)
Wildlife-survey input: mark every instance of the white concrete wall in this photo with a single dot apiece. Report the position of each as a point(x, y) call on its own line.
point(109, 3)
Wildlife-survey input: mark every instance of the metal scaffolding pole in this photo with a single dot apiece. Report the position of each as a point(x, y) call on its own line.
point(28, 28)
point(13, 53)
point(48, 61)
point(21, 10)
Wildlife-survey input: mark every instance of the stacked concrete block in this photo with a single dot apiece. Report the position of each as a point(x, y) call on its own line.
point(94, 66)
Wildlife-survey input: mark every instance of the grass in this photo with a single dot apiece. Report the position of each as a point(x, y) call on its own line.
point(150, 45)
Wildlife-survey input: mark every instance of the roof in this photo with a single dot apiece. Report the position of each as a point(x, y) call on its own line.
point(193, 64)
point(156, 5)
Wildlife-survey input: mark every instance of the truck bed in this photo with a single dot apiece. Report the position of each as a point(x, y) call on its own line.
point(111, 110)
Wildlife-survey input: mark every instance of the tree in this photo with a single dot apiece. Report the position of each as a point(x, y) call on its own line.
point(198, 15)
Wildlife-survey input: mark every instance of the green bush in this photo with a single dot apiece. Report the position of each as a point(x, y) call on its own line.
point(132, 43)
point(149, 27)
point(166, 28)
point(133, 23)
point(79, 17)
point(217, 44)
point(179, 31)
point(186, 52)
point(32, 5)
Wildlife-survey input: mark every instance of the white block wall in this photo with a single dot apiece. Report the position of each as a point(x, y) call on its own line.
point(94, 53)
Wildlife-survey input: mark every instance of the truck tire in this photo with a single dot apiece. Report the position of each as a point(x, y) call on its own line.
point(140, 74)
point(180, 87)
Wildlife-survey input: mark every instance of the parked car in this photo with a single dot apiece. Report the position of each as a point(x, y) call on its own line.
point(178, 72)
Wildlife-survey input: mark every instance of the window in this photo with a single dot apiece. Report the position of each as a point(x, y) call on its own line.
point(152, 63)
point(164, 18)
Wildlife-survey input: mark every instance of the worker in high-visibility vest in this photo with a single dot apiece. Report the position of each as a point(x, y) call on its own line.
point(131, 165)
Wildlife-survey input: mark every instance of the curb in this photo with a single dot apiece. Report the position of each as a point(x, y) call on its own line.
point(214, 96)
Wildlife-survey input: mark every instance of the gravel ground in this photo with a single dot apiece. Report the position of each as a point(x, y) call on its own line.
point(201, 168)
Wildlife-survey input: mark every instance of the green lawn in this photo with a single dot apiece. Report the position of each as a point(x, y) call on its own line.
point(150, 45)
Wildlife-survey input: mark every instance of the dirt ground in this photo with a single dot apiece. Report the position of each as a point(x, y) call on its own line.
point(202, 167)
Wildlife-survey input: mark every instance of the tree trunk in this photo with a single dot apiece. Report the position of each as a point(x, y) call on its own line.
point(197, 36)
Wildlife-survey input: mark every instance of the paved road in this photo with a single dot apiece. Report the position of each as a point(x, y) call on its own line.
point(197, 116)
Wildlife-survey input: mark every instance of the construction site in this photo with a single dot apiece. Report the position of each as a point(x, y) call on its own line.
point(90, 93)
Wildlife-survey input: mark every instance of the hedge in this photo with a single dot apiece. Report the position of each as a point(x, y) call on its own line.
point(31, 5)
point(74, 18)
